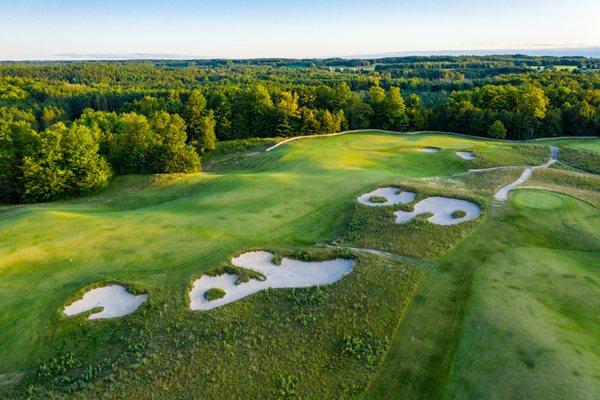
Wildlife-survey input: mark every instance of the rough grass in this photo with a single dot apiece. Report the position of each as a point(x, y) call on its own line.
point(375, 227)
point(531, 338)
point(159, 235)
point(377, 199)
point(228, 153)
point(320, 342)
point(458, 214)
point(581, 159)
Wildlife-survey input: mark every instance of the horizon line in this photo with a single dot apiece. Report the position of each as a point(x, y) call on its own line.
point(550, 51)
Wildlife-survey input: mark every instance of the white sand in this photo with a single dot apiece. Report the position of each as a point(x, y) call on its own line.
point(502, 194)
point(290, 274)
point(392, 194)
point(467, 155)
point(429, 150)
point(114, 299)
point(442, 209)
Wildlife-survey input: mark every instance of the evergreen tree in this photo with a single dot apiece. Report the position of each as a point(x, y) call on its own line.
point(497, 130)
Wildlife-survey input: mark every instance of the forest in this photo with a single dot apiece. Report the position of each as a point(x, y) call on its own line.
point(67, 127)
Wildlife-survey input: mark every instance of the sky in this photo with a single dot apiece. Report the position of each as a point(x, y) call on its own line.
point(54, 29)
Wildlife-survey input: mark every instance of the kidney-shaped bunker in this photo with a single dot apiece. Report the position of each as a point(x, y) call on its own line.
point(446, 211)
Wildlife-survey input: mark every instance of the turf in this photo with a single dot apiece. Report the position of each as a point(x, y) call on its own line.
point(510, 312)
point(299, 193)
point(592, 145)
point(532, 325)
point(158, 233)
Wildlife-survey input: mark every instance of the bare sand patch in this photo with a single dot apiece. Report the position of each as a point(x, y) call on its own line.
point(290, 274)
point(429, 150)
point(442, 209)
point(466, 155)
point(392, 194)
point(114, 300)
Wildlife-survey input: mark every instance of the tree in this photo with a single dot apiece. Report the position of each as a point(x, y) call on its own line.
point(497, 130)
point(201, 122)
point(51, 115)
point(394, 117)
point(417, 120)
point(358, 113)
point(59, 162)
point(376, 100)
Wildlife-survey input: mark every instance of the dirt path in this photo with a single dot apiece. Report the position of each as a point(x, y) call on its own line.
point(502, 194)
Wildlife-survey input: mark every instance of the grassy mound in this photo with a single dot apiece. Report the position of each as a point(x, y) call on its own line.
point(377, 199)
point(214, 294)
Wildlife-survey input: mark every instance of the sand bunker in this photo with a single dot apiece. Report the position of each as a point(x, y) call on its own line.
point(392, 194)
point(442, 209)
point(429, 150)
point(114, 300)
point(290, 274)
point(467, 155)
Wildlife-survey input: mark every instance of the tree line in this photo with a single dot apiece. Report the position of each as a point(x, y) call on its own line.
point(66, 128)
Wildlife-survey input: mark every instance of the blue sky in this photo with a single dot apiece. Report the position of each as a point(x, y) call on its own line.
point(34, 29)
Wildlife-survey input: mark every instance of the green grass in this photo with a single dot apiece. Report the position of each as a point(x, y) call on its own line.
point(377, 199)
point(375, 227)
point(158, 233)
point(510, 312)
point(325, 341)
point(214, 294)
point(583, 186)
point(541, 200)
point(592, 145)
point(533, 323)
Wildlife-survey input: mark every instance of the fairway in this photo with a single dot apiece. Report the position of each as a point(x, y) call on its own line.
point(591, 144)
point(157, 236)
point(295, 194)
point(532, 324)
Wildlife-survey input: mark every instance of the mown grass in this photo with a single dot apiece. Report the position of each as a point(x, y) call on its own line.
point(583, 186)
point(510, 312)
point(591, 144)
point(532, 324)
point(320, 342)
point(157, 236)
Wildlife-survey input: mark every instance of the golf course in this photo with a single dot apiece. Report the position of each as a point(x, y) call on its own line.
point(434, 288)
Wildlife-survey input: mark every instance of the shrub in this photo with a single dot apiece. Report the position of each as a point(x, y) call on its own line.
point(459, 214)
point(365, 347)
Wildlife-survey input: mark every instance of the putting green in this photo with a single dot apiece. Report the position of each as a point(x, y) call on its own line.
point(532, 324)
point(537, 199)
